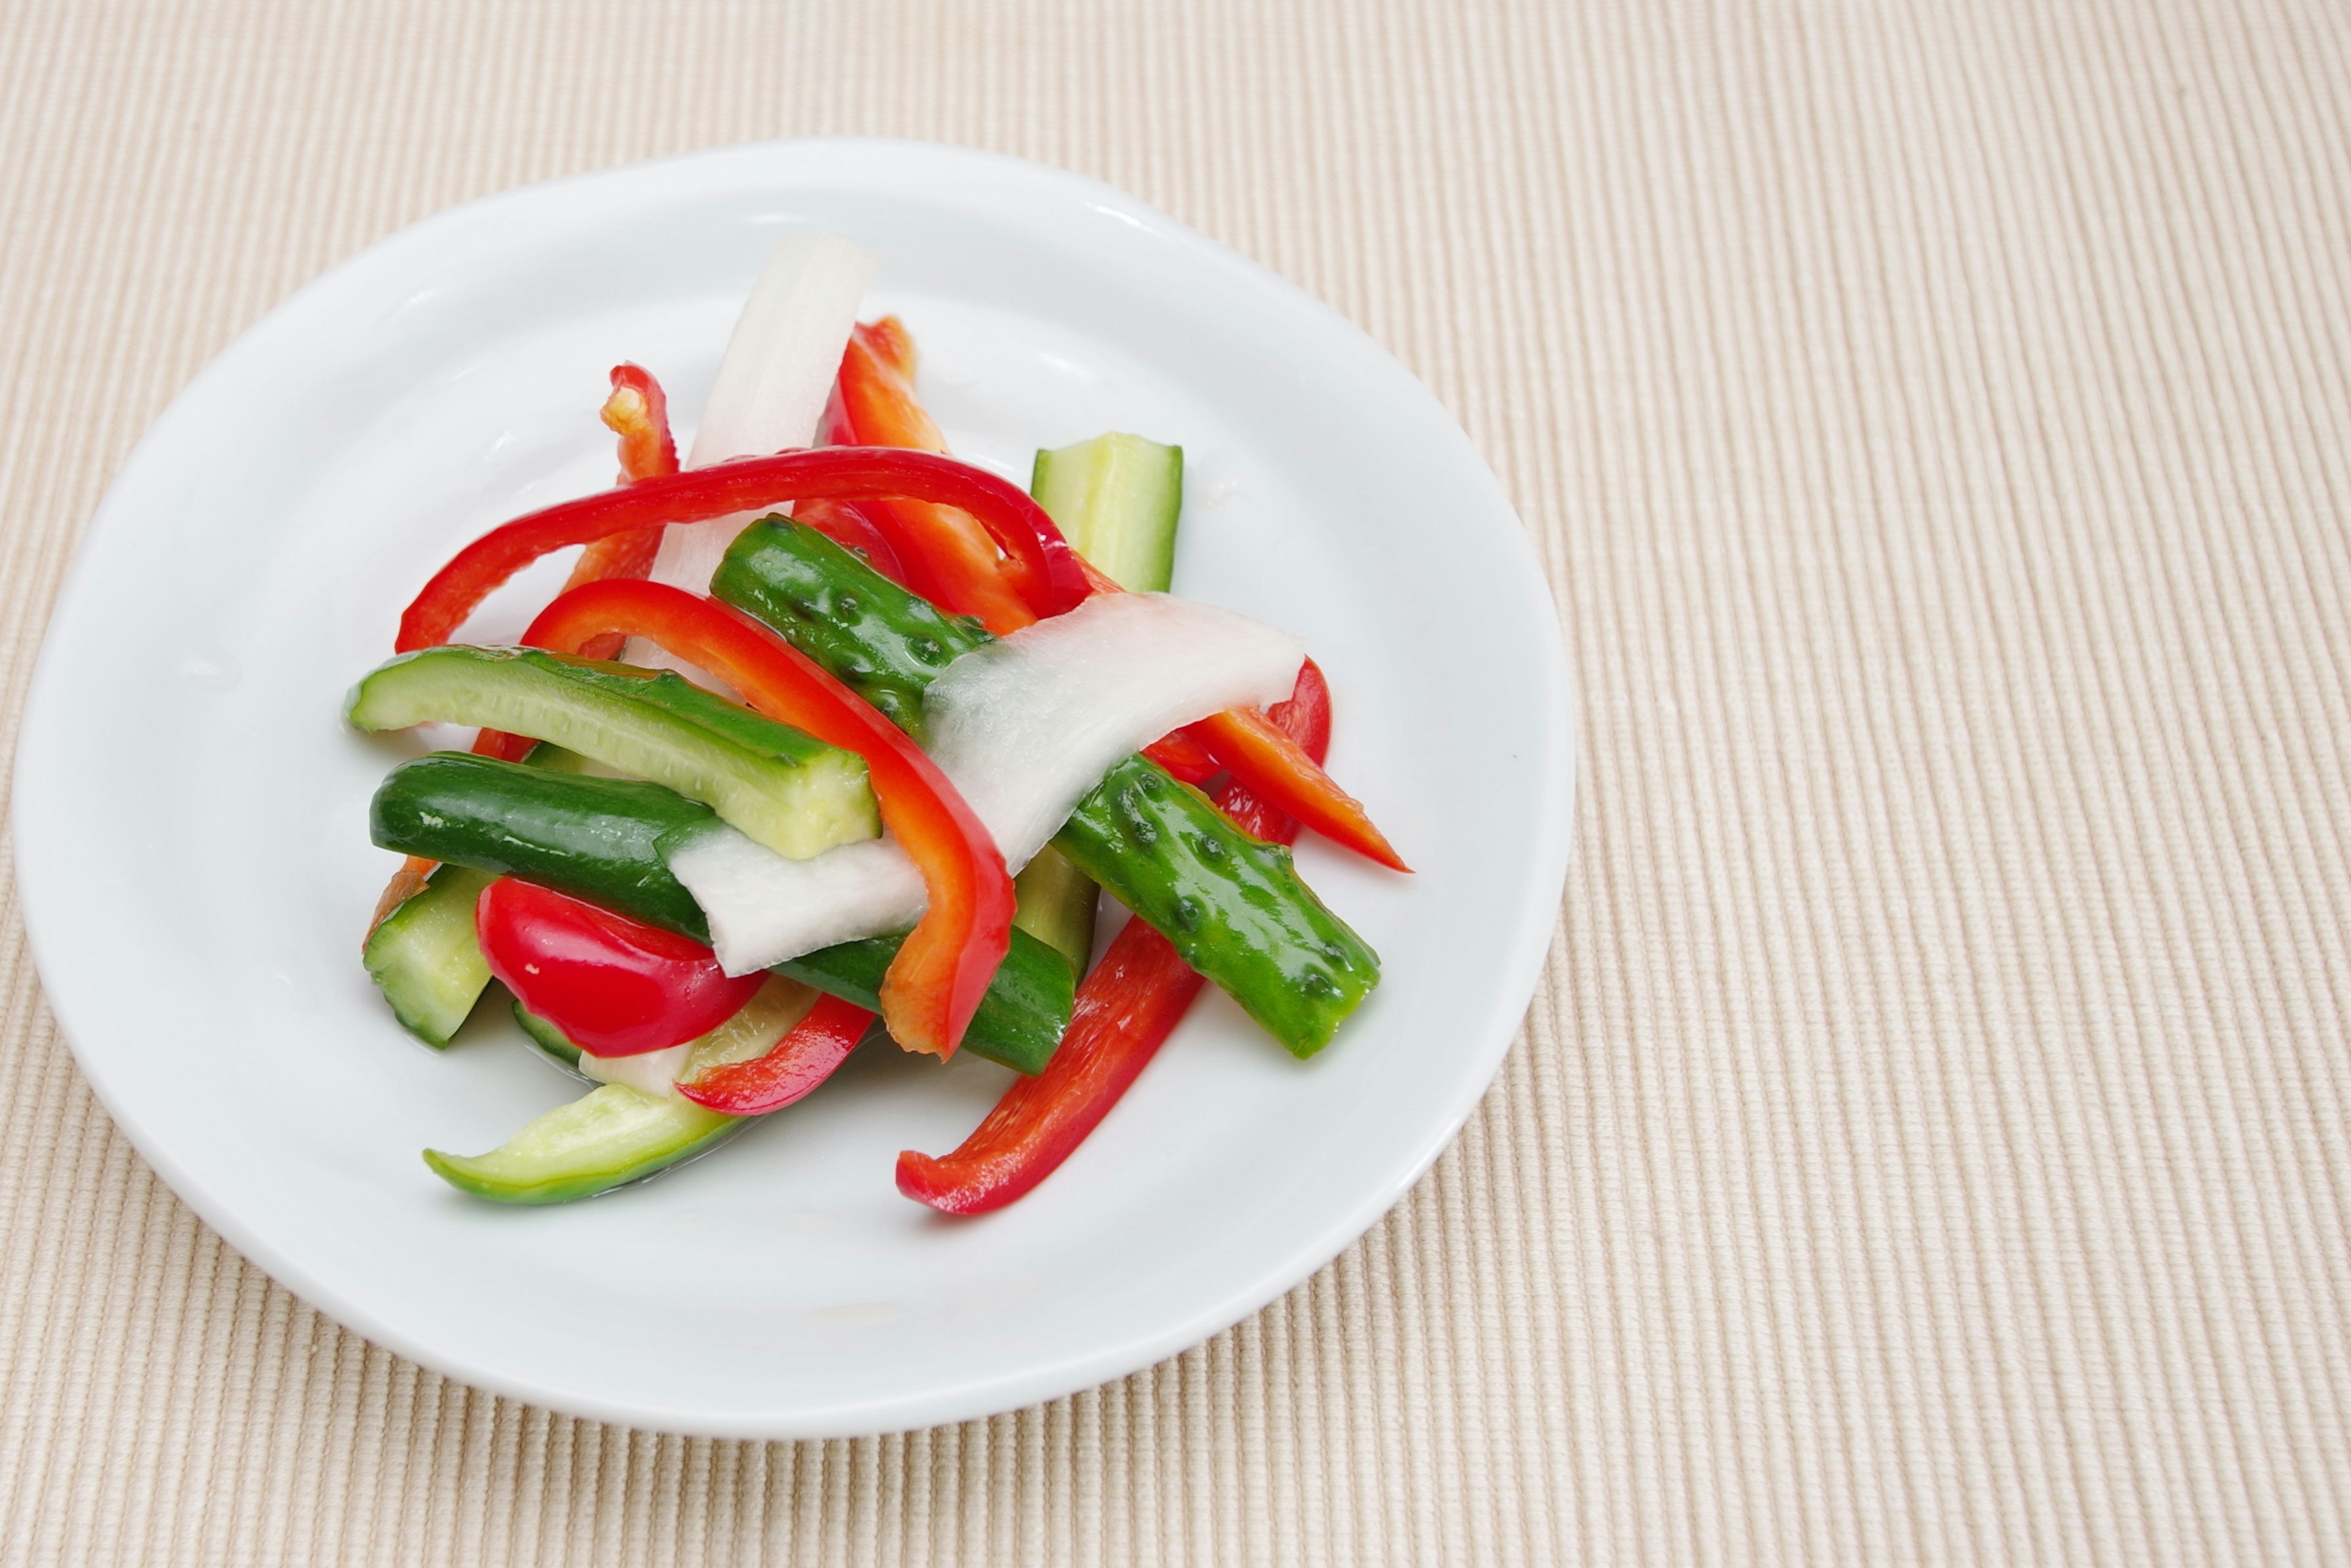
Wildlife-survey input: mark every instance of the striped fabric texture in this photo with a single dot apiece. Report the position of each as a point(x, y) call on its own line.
point(1929, 1141)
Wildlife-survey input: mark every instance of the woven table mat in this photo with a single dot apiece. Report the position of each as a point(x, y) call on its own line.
point(1928, 1144)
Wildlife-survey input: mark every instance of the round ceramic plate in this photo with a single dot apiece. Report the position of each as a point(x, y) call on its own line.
point(192, 815)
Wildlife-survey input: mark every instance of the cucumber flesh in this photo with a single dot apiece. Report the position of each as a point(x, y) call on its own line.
point(549, 1041)
point(1236, 909)
point(600, 840)
point(424, 958)
point(1116, 499)
point(1056, 905)
point(794, 794)
point(774, 1009)
point(607, 1138)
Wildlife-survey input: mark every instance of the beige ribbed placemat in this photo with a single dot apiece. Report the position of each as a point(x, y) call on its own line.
point(1929, 1143)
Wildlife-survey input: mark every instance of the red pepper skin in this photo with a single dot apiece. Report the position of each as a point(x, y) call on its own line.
point(797, 1064)
point(1259, 755)
point(945, 966)
point(1004, 509)
point(1127, 1007)
point(850, 525)
point(614, 986)
point(638, 413)
point(950, 559)
point(1184, 756)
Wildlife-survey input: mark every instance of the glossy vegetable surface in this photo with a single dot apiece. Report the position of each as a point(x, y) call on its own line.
point(1234, 908)
point(424, 958)
point(804, 1058)
point(1125, 1010)
point(613, 985)
point(948, 556)
point(602, 840)
point(943, 967)
point(1012, 518)
point(607, 1138)
point(779, 785)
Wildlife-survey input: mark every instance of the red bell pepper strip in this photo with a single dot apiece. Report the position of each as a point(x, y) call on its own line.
point(1257, 753)
point(744, 485)
point(951, 559)
point(945, 966)
point(1127, 1007)
point(1260, 755)
point(638, 413)
point(614, 986)
point(797, 1064)
point(1183, 756)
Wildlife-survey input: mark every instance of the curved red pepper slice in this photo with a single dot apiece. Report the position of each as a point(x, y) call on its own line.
point(943, 970)
point(797, 1064)
point(1183, 756)
point(1127, 1007)
point(951, 557)
point(638, 413)
point(614, 986)
point(1002, 507)
point(1260, 755)
point(1257, 753)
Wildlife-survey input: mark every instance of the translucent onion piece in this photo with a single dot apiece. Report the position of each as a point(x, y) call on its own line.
point(764, 908)
point(1025, 725)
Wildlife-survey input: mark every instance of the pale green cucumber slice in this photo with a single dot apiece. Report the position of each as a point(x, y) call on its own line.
point(796, 795)
point(751, 1032)
point(425, 957)
point(1116, 498)
point(606, 1138)
point(1056, 903)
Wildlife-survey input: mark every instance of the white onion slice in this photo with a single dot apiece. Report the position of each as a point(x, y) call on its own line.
point(772, 384)
point(1022, 727)
point(1025, 725)
point(763, 909)
point(652, 1073)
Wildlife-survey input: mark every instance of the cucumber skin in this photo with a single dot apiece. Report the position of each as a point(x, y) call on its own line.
point(665, 1133)
point(1021, 1018)
point(449, 893)
point(1265, 938)
point(549, 1041)
point(595, 838)
point(599, 839)
point(887, 646)
point(1160, 847)
point(785, 789)
point(1117, 500)
point(881, 642)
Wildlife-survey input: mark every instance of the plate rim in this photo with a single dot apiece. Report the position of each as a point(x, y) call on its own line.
point(739, 165)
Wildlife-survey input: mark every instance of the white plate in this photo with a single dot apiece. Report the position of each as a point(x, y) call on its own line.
point(190, 817)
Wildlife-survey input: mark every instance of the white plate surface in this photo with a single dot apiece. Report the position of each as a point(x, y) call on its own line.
point(191, 816)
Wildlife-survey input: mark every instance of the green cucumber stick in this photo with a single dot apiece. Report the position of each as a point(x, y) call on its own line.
point(1117, 500)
